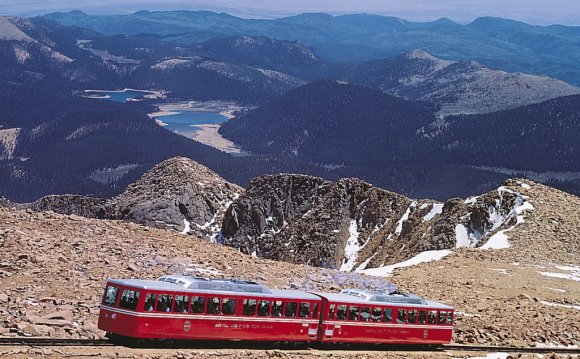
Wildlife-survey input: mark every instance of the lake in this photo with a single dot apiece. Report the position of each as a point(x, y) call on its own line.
point(183, 122)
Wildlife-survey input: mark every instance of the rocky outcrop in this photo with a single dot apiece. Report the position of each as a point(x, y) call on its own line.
point(352, 225)
point(73, 204)
point(178, 194)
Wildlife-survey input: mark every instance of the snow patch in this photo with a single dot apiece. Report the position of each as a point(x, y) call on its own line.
point(351, 248)
point(551, 304)
point(497, 241)
point(187, 226)
point(404, 218)
point(423, 257)
point(575, 276)
point(435, 210)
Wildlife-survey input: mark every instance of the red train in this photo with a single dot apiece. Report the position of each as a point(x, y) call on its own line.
point(181, 307)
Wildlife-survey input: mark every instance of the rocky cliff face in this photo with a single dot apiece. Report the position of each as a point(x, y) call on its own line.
point(178, 194)
point(352, 225)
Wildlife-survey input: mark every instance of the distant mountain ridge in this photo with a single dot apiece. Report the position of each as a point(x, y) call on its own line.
point(458, 87)
point(498, 43)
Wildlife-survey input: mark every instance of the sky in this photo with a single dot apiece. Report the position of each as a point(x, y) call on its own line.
point(540, 12)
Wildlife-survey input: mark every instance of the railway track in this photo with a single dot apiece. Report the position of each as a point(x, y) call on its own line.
point(63, 342)
point(32, 341)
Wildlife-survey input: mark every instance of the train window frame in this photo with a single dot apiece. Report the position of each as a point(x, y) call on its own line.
point(246, 304)
point(432, 317)
point(344, 308)
point(412, 315)
point(389, 316)
point(185, 300)
point(422, 319)
point(315, 308)
point(366, 318)
point(200, 298)
point(167, 309)
point(374, 317)
point(278, 308)
point(111, 295)
point(260, 305)
point(442, 317)
point(304, 310)
point(294, 311)
point(350, 312)
point(134, 294)
point(223, 306)
point(331, 311)
point(152, 304)
point(402, 318)
point(216, 306)
point(450, 318)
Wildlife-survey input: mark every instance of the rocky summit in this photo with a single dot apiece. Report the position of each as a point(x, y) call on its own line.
point(351, 225)
point(178, 194)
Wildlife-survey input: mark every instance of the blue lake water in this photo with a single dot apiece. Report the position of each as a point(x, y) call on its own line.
point(184, 122)
point(119, 96)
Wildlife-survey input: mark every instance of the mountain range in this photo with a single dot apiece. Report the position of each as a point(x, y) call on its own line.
point(495, 42)
point(358, 131)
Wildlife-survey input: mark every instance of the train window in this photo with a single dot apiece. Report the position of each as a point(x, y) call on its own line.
point(315, 311)
point(129, 299)
point(341, 312)
point(388, 315)
point(442, 317)
point(291, 308)
point(412, 318)
point(376, 314)
point(422, 317)
point(331, 311)
point(450, 318)
point(213, 306)
point(432, 317)
point(249, 307)
point(181, 303)
point(229, 306)
point(353, 313)
point(164, 302)
point(402, 316)
point(277, 308)
point(111, 295)
point(263, 308)
point(304, 311)
point(150, 301)
point(365, 314)
point(198, 305)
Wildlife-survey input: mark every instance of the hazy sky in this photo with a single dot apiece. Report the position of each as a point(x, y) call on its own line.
point(543, 12)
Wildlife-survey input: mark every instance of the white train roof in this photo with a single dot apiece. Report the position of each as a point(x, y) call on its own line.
point(367, 297)
point(225, 287)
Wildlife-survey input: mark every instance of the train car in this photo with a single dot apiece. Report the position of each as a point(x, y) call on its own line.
point(362, 316)
point(181, 307)
point(189, 308)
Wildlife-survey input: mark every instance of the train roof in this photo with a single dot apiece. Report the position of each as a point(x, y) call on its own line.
point(362, 297)
point(215, 286)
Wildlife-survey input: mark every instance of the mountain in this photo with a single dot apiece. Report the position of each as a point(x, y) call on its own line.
point(349, 224)
point(290, 57)
point(401, 145)
point(498, 43)
point(315, 121)
point(47, 54)
point(177, 193)
point(456, 86)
